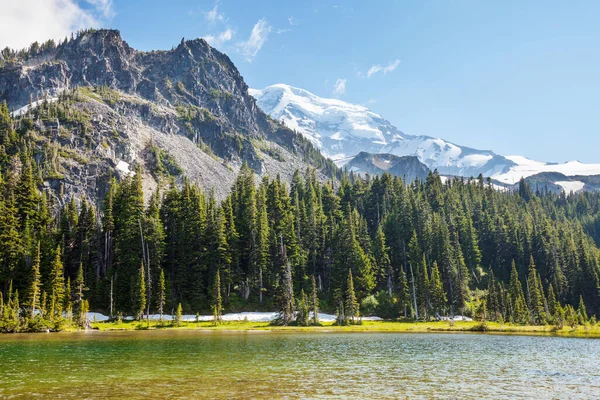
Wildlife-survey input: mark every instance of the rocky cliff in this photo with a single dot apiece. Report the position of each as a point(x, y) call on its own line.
point(103, 107)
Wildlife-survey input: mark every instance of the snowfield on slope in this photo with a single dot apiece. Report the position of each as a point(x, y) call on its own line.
point(341, 130)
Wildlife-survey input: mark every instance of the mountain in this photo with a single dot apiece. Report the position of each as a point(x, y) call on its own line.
point(408, 167)
point(105, 107)
point(342, 130)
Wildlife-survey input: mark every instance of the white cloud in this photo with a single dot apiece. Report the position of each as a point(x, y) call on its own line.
point(340, 86)
point(257, 39)
point(23, 22)
point(226, 35)
point(214, 15)
point(373, 70)
point(378, 68)
point(292, 21)
point(103, 6)
point(280, 31)
point(221, 38)
point(392, 66)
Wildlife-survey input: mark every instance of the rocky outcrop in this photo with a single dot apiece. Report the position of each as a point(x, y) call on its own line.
point(191, 102)
point(408, 168)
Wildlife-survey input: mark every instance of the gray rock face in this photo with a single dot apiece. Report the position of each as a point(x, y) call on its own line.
point(408, 168)
point(190, 101)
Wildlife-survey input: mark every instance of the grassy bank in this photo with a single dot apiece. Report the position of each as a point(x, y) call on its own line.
point(366, 326)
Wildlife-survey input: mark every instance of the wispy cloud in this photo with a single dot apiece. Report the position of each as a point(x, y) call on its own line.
point(257, 39)
point(217, 40)
point(280, 31)
point(378, 68)
point(30, 19)
point(214, 15)
point(293, 21)
point(339, 87)
point(105, 7)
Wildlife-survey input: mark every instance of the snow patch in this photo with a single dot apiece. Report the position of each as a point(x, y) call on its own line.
point(242, 316)
point(571, 186)
point(23, 110)
point(124, 167)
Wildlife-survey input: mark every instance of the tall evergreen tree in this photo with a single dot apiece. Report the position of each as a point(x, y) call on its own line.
point(351, 306)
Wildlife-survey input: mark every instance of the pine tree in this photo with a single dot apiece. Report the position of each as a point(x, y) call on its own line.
point(352, 305)
point(303, 309)
point(57, 286)
point(80, 303)
point(286, 290)
point(160, 297)
point(552, 303)
point(178, 315)
point(139, 300)
point(438, 295)
point(315, 301)
point(34, 284)
point(217, 302)
point(535, 297)
point(520, 313)
point(68, 306)
point(581, 311)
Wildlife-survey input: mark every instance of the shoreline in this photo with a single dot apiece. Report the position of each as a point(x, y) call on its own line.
point(579, 331)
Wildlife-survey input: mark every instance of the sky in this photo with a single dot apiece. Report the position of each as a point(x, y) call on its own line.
point(515, 77)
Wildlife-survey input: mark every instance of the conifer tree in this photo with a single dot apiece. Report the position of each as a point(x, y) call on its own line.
point(217, 302)
point(160, 296)
point(552, 304)
point(519, 311)
point(404, 295)
point(315, 301)
point(581, 311)
point(68, 306)
point(438, 295)
point(139, 300)
point(535, 297)
point(34, 284)
point(80, 303)
point(178, 315)
point(57, 285)
point(303, 309)
point(352, 305)
point(286, 290)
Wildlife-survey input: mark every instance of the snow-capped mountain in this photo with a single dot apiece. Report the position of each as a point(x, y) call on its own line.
point(342, 130)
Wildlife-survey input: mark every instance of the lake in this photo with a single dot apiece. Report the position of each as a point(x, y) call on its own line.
point(196, 364)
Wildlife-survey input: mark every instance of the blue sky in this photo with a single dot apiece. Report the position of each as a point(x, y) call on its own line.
point(516, 77)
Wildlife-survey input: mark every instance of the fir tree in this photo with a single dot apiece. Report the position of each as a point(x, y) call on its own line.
point(217, 303)
point(139, 299)
point(314, 301)
point(535, 296)
point(80, 302)
point(303, 308)
point(581, 311)
point(519, 311)
point(178, 315)
point(438, 295)
point(160, 296)
point(57, 286)
point(34, 284)
point(351, 306)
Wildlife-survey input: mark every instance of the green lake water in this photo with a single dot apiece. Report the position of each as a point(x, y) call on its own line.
point(192, 364)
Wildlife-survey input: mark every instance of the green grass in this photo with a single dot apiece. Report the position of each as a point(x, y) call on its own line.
point(366, 326)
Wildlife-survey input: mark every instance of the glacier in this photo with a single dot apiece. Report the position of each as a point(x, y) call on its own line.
point(341, 130)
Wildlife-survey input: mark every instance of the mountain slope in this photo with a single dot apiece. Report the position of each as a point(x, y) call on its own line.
point(342, 130)
point(407, 167)
point(190, 102)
